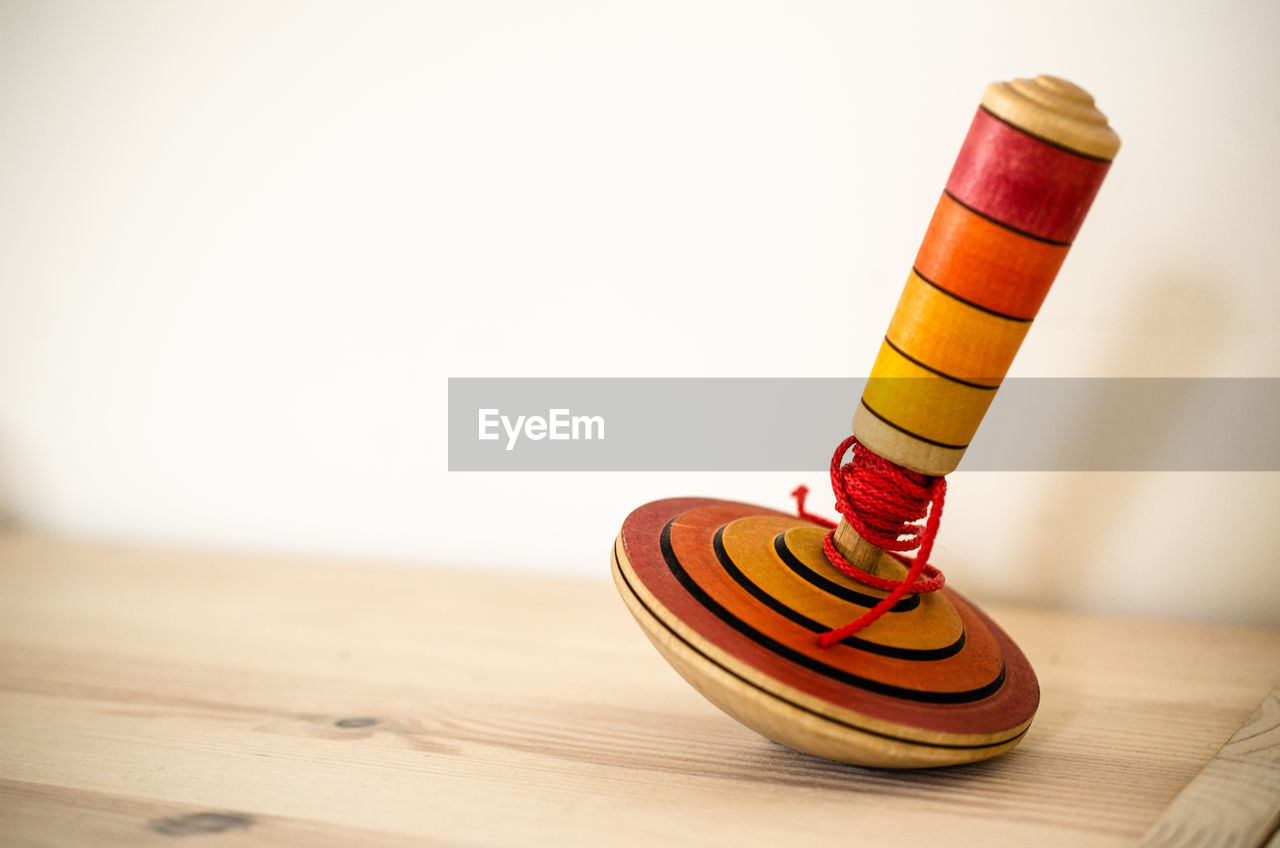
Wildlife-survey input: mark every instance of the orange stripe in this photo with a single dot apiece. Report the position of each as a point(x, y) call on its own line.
point(987, 264)
point(976, 665)
point(952, 337)
point(929, 626)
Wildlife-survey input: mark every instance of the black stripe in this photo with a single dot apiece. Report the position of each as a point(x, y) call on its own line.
point(687, 644)
point(838, 674)
point(937, 371)
point(1059, 145)
point(986, 309)
point(917, 654)
point(909, 602)
point(844, 593)
point(905, 431)
point(1010, 227)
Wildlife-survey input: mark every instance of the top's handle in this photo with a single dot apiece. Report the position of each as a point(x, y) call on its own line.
point(1033, 161)
point(1028, 171)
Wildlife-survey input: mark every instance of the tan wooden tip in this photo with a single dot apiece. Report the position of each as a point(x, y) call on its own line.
point(902, 448)
point(1055, 110)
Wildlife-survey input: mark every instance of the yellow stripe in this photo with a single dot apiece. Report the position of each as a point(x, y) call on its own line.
point(953, 337)
point(922, 403)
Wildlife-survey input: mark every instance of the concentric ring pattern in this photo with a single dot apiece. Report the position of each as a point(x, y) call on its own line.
point(734, 596)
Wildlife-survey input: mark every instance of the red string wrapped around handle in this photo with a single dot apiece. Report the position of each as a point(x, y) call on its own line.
point(883, 502)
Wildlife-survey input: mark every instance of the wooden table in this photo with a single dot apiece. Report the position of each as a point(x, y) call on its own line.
point(151, 695)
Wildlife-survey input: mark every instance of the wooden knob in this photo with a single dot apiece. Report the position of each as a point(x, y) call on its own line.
point(1034, 158)
point(1055, 110)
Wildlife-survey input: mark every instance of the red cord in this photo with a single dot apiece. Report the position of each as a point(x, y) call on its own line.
point(882, 501)
point(801, 492)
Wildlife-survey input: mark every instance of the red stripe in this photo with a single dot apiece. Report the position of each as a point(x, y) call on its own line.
point(1024, 182)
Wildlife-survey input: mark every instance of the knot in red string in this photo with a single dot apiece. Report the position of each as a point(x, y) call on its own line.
point(883, 502)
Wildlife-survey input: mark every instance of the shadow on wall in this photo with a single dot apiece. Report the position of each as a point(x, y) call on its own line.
point(1172, 327)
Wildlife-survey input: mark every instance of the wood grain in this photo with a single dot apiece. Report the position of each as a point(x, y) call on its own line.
point(1235, 801)
point(145, 685)
point(858, 551)
point(1055, 110)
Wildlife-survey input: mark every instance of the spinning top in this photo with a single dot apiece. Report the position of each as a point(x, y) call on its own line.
point(821, 639)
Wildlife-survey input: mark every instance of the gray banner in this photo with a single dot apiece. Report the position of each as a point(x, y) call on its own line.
point(793, 424)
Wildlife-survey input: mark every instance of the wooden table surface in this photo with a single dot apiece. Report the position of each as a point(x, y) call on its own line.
point(150, 695)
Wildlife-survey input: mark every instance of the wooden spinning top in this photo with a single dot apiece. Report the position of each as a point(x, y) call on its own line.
point(736, 597)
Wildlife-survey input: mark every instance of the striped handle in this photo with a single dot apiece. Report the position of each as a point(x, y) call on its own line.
point(1033, 161)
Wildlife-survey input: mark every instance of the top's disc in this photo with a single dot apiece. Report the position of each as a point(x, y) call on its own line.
point(734, 596)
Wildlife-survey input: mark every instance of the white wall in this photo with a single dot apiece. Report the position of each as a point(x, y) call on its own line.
point(243, 245)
